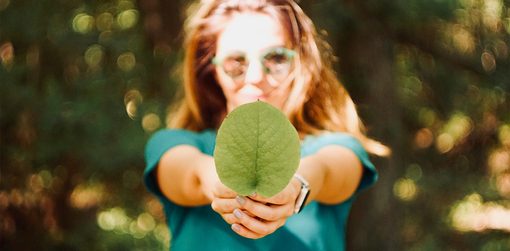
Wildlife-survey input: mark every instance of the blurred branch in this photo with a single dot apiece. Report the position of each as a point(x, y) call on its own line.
point(425, 40)
point(423, 37)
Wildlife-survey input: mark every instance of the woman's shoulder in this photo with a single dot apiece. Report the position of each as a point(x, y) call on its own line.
point(176, 135)
point(165, 139)
point(347, 140)
point(178, 132)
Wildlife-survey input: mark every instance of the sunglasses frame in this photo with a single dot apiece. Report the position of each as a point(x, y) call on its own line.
point(287, 52)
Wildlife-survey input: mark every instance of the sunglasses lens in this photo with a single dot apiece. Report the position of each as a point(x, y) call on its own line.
point(277, 61)
point(235, 65)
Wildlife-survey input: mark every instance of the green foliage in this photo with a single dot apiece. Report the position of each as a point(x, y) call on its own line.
point(71, 148)
point(257, 150)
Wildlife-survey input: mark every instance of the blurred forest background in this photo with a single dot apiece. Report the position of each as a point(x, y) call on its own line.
point(85, 83)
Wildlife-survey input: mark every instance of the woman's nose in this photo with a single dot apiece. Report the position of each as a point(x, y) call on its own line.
point(254, 73)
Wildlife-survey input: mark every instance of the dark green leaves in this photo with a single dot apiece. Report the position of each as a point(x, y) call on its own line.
point(257, 150)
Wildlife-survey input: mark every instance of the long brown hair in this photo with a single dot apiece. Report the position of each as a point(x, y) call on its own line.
point(317, 103)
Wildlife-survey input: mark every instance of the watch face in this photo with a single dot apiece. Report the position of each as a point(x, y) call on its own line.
point(306, 190)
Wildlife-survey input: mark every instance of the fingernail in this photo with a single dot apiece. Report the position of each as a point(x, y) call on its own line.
point(236, 227)
point(253, 195)
point(240, 199)
point(238, 214)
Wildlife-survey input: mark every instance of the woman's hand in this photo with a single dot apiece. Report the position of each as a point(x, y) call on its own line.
point(254, 216)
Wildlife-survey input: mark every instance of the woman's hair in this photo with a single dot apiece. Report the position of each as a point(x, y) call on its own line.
point(317, 102)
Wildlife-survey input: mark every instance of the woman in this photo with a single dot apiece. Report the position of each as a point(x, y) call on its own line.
point(244, 51)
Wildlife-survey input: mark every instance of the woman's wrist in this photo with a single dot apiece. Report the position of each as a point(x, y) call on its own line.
point(207, 176)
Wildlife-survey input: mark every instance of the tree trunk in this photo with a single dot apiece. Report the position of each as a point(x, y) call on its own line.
point(367, 54)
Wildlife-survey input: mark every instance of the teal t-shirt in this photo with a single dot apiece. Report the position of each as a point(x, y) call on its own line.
point(317, 227)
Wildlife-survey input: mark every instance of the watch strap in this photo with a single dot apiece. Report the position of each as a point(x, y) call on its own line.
point(303, 194)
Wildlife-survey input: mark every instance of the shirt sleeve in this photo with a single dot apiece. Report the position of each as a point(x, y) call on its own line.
point(163, 141)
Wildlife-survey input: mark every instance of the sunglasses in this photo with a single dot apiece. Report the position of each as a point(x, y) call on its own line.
point(274, 61)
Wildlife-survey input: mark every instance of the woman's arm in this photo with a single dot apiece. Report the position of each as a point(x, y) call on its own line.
point(186, 176)
point(334, 173)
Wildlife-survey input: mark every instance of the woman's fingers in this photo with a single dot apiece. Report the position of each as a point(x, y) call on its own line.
point(278, 199)
point(253, 216)
point(267, 212)
point(253, 228)
point(224, 206)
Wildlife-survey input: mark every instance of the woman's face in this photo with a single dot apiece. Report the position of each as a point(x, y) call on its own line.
point(247, 37)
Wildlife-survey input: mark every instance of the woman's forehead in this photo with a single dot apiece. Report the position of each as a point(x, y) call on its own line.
point(250, 32)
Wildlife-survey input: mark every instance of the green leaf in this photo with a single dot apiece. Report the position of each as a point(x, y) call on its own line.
point(257, 150)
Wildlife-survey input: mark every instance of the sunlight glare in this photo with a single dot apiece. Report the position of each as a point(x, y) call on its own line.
point(472, 214)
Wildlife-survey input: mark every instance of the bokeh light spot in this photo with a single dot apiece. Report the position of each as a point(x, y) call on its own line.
point(503, 184)
point(424, 138)
point(444, 143)
point(501, 50)
point(151, 122)
point(155, 208)
point(463, 39)
point(162, 234)
point(488, 62)
point(146, 222)
point(455, 130)
point(105, 221)
point(136, 231)
point(414, 84)
point(472, 214)
point(104, 21)
point(127, 19)
point(94, 55)
point(427, 116)
point(132, 100)
point(105, 37)
point(404, 189)
point(36, 183)
point(7, 55)
point(499, 161)
point(86, 196)
point(126, 61)
point(4, 200)
point(83, 23)
point(504, 135)
point(114, 219)
point(125, 5)
point(46, 178)
point(491, 13)
point(414, 172)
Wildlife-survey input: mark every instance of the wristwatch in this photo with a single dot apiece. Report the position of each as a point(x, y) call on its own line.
point(303, 194)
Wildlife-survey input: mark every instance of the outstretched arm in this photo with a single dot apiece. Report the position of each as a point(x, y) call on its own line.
point(334, 174)
point(186, 176)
